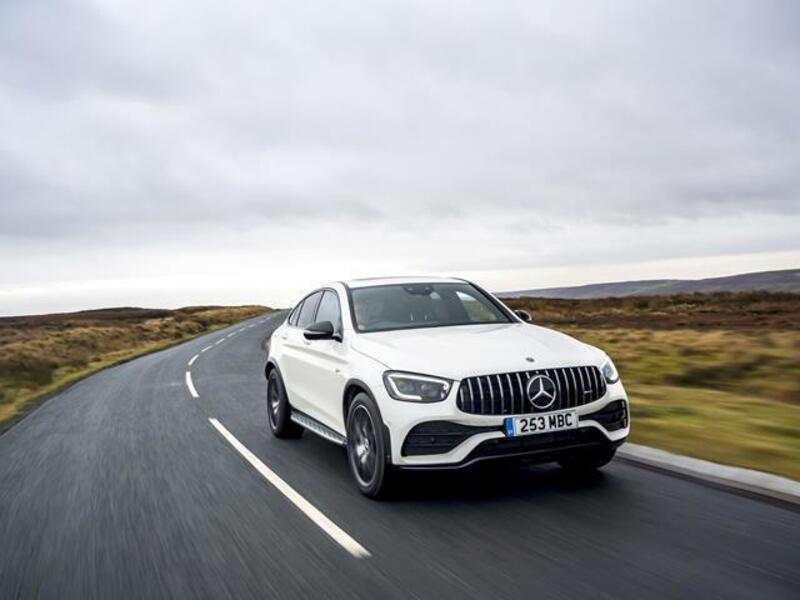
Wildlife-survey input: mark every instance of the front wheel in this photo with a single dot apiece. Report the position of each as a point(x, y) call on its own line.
point(367, 448)
point(278, 409)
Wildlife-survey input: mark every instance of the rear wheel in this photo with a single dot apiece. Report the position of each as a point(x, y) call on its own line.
point(587, 461)
point(278, 409)
point(367, 448)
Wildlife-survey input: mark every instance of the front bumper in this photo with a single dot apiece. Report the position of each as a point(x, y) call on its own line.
point(440, 435)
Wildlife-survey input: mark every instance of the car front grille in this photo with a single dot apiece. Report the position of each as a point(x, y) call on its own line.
point(506, 393)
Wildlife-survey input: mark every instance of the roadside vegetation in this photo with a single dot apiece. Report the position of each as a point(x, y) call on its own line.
point(715, 376)
point(40, 354)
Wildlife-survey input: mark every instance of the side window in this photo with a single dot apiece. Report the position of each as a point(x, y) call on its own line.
point(306, 317)
point(329, 310)
point(295, 314)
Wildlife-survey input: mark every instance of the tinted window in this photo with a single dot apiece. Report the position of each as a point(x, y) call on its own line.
point(422, 305)
point(307, 311)
point(295, 314)
point(329, 310)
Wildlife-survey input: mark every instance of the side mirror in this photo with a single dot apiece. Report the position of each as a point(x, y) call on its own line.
point(524, 315)
point(322, 330)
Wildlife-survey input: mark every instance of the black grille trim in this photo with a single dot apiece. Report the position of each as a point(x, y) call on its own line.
point(544, 447)
point(505, 393)
point(612, 416)
point(439, 437)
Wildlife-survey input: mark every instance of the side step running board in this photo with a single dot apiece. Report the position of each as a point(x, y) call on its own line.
point(315, 426)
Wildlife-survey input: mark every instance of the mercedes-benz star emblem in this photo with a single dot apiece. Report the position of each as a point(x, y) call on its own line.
point(541, 391)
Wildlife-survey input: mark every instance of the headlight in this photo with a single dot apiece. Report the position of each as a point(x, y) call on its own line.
point(610, 372)
point(415, 388)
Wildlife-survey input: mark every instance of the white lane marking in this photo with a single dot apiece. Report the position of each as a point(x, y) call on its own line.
point(323, 522)
point(190, 385)
point(219, 342)
point(194, 358)
point(206, 349)
point(230, 335)
point(242, 329)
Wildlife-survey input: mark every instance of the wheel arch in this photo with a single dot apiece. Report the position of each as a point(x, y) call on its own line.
point(352, 388)
point(272, 365)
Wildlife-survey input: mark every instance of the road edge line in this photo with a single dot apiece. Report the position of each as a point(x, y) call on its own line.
point(312, 512)
point(738, 478)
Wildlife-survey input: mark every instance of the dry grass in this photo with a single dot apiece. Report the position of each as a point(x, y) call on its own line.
point(39, 354)
point(751, 311)
point(714, 376)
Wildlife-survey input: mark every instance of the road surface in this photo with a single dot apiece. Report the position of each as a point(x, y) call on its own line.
point(143, 482)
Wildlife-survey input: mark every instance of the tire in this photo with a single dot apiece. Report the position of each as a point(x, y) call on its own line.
point(367, 448)
point(587, 461)
point(278, 409)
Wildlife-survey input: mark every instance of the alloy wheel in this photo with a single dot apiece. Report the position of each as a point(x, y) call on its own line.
point(274, 401)
point(363, 445)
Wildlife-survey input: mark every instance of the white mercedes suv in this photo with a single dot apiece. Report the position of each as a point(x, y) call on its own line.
point(433, 373)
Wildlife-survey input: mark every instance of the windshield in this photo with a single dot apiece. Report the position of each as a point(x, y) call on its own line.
point(385, 307)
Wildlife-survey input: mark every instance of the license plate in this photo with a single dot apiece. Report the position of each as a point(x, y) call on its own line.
point(546, 422)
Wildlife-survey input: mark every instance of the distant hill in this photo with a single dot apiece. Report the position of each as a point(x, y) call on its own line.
point(768, 281)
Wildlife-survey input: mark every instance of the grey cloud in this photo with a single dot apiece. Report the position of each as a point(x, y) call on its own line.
point(135, 116)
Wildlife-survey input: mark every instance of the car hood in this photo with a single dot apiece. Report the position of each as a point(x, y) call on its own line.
point(462, 351)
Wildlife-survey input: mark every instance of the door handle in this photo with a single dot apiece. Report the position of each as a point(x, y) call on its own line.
point(284, 337)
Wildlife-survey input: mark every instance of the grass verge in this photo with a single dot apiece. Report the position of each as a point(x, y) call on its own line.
point(40, 355)
point(714, 376)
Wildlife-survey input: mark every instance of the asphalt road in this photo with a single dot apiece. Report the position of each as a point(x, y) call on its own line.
point(120, 487)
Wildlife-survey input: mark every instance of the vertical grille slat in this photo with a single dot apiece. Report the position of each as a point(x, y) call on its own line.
point(574, 389)
point(488, 394)
point(601, 384)
point(558, 382)
point(592, 382)
point(589, 383)
point(471, 397)
point(510, 393)
point(502, 395)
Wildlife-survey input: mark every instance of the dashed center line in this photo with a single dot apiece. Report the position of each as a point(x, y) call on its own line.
point(206, 349)
point(311, 511)
point(219, 342)
point(194, 358)
point(190, 385)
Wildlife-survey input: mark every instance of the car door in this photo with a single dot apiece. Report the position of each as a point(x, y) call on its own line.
point(294, 360)
point(324, 364)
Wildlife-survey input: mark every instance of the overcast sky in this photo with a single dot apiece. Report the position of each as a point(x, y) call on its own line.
point(171, 153)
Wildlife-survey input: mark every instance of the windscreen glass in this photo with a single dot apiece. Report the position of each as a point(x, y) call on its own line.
point(386, 307)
